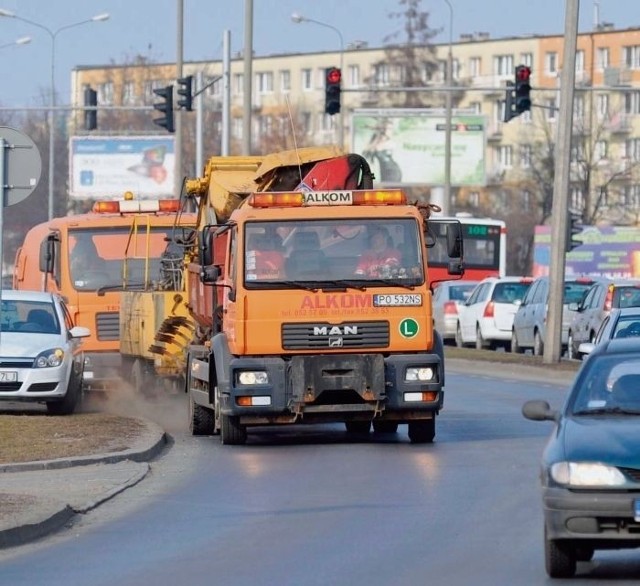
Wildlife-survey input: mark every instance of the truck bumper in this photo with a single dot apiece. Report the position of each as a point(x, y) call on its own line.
point(102, 371)
point(332, 388)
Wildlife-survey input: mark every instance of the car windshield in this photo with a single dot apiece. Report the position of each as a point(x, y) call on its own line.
point(333, 253)
point(510, 292)
point(627, 327)
point(461, 292)
point(626, 296)
point(609, 384)
point(35, 317)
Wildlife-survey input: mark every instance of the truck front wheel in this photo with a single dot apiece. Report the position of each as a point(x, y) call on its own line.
point(201, 419)
point(231, 432)
point(422, 431)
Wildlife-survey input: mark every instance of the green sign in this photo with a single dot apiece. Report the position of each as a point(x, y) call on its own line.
point(409, 328)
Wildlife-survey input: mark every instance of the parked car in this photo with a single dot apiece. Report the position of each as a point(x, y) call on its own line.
point(447, 298)
point(529, 323)
point(590, 473)
point(598, 301)
point(620, 323)
point(41, 360)
point(487, 316)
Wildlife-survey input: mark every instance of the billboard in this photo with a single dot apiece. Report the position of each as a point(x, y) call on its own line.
point(608, 251)
point(106, 167)
point(408, 146)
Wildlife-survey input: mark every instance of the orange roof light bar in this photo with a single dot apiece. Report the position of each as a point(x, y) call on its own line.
point(136, 206)
point(379, 197)
point(336, 197)
point(280, 199)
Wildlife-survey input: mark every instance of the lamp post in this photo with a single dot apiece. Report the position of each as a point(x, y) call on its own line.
point(20, 41)
point(448, 107)
point(52, 100)
point(298, 18)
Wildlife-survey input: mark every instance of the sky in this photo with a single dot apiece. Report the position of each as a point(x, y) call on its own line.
point(148, 28)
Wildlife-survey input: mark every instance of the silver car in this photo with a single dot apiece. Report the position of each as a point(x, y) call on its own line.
point(447, 299)
point(619, 323)
point(529, 323)
point(41, 360)
point(597, 303)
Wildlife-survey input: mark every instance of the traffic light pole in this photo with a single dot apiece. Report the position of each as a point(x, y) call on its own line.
point(553, 333)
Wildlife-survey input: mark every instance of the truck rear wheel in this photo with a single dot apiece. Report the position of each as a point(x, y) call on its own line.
point(201, 420)
point(422, 431)
point(385, 426)
point(231, 432)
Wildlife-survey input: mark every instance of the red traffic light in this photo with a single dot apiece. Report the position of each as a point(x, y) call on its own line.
point(523, 73)
point(334, 75)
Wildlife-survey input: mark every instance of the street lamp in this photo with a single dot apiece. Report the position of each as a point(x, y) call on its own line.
point(20, 41)
point(52, 100)
point(448, 107)
point(298, 18)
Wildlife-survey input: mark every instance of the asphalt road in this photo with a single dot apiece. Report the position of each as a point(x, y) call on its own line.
point(313, 505)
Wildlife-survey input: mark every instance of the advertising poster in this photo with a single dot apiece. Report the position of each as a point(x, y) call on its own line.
point(608, 251)
point(107, 167)
point(409, 147)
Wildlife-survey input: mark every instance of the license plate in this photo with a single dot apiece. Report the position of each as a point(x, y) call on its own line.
point(8, 377)
point(636, 510)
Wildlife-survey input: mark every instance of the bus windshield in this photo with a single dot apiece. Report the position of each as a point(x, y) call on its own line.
point(108, 257)
point(332, 252)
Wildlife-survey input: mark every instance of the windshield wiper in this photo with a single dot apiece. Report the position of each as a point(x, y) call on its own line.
point(388, 282)
point(608, 411)
point(100, 291)
point(347, 283)
point(307, 285)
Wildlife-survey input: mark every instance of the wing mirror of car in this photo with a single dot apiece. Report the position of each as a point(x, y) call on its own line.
point(517, 302)
point(539, 411)
point(79, 332)
point(573, 306)
point(586, 348)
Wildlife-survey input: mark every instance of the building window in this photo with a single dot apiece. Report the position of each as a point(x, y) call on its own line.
point(602, 106)
point(631, 57)
point(600, 150)
point(631, 196)
point(214, 86)
point(551, 63)
point(577, 153)
point(526, 200)
point(128, 93)
point(632, 149)
point(503, 65)
point(285, 80)
point(105, 93)
point(306, 80)
point(506, 156)
point(578, 108)
point(326, 122)
point(551, 109)
point(602, 58)
point(381, 74)
point(236, 127)
point(632, 103)
point(353, 75)
point(264, 82)
point(476, 107)
point(576, 199)
point(305, 120)
point(580, 62)
point(474, 198)
point(265, 125)
point(475, 66)
point(526, 151)
point(526, 59)
point(238, 84)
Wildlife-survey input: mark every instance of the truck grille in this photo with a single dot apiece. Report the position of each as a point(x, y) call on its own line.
point(325, 336)
point(108, 326)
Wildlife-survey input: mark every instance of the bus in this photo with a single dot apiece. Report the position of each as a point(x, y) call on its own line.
point(485, 250)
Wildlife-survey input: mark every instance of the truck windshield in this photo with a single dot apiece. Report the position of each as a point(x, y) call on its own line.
point(97, 256)
point(350, 253)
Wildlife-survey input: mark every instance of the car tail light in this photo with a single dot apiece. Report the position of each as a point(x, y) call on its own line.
point(489, 309)
point(608, 301)
point(450, 308)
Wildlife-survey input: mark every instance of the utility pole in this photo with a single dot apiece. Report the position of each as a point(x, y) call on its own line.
point(248, 74)
point(178, 111)
point(553, 333)
point(225, 147)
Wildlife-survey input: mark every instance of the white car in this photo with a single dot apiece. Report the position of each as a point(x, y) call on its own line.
point(41, 360)
point(448, 296)
point(486, 319)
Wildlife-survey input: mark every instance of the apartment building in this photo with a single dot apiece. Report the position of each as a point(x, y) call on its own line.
point(288, 89)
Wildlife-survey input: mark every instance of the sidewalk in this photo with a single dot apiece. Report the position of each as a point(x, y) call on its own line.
point(29, 507)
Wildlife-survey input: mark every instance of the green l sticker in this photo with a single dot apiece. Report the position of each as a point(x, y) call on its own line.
point(409, 328)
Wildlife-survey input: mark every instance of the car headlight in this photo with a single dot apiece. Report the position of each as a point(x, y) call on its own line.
point(49, 358)
point(418, 374)
point(586, 474)
point(253, 377)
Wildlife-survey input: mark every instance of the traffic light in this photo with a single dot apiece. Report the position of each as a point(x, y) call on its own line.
point(332, 90)
point(518, 95)
point(166, 106)
point(523, 89)
point(90, 111)
point(185, 89)
point(574, 227)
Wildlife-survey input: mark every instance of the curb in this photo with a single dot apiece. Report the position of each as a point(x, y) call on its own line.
point(21, 534)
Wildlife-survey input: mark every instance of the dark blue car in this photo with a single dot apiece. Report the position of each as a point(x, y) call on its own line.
point(591, 465)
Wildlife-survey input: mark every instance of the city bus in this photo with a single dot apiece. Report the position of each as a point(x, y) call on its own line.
point(485, 250)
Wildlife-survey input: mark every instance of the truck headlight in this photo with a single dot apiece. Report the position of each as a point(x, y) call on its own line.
point(49, 358)
point(419, 374)
point(253, 377)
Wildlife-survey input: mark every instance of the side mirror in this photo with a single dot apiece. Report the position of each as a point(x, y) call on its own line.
point(539, 411)
point(455, 244)
point(210, 274)
point(206, 247)
point(455, 267)
point(573, 306)
point(586, 348)
point(47, 254)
